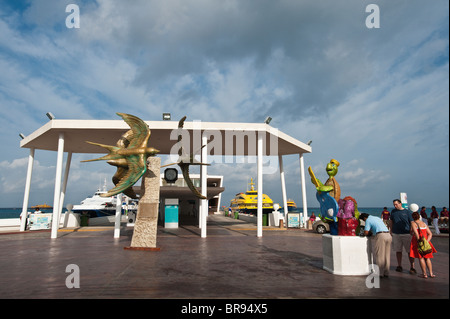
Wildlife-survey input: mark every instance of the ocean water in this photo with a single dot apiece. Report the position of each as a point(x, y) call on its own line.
point(374, 211)
point(15, 212)
point(11, 212)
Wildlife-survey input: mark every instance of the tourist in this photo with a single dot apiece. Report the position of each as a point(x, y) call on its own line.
point(400, 230)
point(385, 216)
point(435, 219)
point(423, 215)
point(37, 210)
point(444, 216)
point(420, 229)
point(383, 240)
point(311, 221)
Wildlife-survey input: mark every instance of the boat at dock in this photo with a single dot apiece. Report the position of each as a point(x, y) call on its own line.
point(42, 206)
point(98, 206)
point(247, 202)
point(291, 205)
point(100, 211)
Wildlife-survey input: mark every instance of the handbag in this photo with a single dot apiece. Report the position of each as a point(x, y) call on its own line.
point(423, 246)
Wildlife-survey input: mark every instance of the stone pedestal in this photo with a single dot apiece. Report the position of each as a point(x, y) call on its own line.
point(347, 255)
point(145, 227)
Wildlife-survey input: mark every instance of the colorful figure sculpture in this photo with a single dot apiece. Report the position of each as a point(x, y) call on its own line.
point(331, 185)
point(347, 221)
point(332, 169)
point(346, 207)
point(329, 210)
point(129, 156)
point(328, 205)
point(341, 214)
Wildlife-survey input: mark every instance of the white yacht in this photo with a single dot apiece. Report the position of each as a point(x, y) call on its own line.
point(97, 206)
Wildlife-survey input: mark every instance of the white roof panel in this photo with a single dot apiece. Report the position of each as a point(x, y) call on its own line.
point(225, 138)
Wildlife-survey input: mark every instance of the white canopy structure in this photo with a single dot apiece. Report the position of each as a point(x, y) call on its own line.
point(223, 139)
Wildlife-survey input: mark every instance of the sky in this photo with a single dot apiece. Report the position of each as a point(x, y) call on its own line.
point(374, 97)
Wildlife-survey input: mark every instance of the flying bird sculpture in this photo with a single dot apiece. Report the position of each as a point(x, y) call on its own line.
point(185, 160)
point(129, 156)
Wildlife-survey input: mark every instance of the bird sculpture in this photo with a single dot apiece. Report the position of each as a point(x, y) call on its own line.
point(129, 156)
point(185, 160)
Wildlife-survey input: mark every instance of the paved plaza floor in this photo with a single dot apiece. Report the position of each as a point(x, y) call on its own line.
point(231, 263)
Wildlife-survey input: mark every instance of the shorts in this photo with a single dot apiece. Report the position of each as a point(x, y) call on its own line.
point(401, 240)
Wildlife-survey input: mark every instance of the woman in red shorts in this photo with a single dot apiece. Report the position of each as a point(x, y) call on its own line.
point(420, 229)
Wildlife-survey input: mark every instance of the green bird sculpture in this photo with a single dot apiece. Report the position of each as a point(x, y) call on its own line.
point(129, 156)
point(185, 160)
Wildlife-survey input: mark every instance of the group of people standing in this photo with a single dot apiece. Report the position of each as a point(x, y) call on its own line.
point(435, 220)
point(400, 229)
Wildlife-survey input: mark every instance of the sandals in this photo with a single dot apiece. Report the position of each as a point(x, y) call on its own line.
point(425, 276)
point(413, 271)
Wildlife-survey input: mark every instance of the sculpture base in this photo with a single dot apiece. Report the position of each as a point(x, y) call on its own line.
point(346, 255)
point(142, 248)
point(146, 224)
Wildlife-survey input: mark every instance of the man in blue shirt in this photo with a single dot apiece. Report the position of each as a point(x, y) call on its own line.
point(383, 240)
point(401, 219)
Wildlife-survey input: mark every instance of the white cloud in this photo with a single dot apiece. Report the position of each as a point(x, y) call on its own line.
point(373, 99)
point(13, 174)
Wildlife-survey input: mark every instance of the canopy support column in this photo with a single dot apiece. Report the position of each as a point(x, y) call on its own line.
point(118, 216)
point(283, 184)
point(63, 192)
point(260, 185)
point(203, 177)
point(59, 161)
point(26, 196)
point(305, 206)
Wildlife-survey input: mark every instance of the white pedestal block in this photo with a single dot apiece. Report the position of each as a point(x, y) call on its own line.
point(71, 219)
point(346, 255)
point(274, 218)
